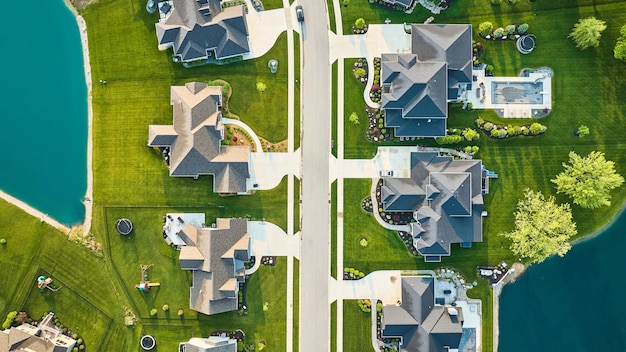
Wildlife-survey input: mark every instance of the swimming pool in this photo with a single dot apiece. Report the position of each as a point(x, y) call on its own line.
point(516, 93)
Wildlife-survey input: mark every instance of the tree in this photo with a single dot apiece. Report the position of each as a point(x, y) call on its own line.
point(588, 180)
point(470, 134)
point(542, 227)
point(359, 72)
point(261, 87)
point(359, 23)
point(587, 32)
point(354, 118)
point(3, 241)
point(582, 131)
point(485, 28)
point(165, 307)
point(153, 312)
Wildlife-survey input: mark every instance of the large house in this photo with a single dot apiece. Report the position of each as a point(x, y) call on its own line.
point(446, 198)
point(421, 325)
point(45, 337)
point(200, 29)
point(192, 145)
point(212, 344)
point(417, 87)
point(216, 257)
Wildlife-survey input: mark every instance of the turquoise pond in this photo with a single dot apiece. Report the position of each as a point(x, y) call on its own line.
point(573, 303)
point(44, 129)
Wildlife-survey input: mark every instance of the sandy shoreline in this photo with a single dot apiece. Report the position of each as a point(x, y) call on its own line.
point(89, 192)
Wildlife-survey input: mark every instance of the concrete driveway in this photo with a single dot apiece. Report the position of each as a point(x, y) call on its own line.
point(385, 285)
point(267, 239)
point(380, 38)
point(264, 28)
point(268, 169)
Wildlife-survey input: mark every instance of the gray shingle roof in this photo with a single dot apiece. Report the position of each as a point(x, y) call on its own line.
point(211, 344)
point(450, 210)
point(418, 86)
point(195, 28)
point(423, 326)
point(195, 139)
point(401, 194)
point(216, 257)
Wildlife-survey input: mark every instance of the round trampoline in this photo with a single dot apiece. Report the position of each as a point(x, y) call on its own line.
point(124, 226)
point(147, 342)
point(526, 43)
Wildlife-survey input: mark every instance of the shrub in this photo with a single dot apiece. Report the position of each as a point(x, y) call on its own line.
point(494, 132)
point(475, 149)
point(510, 131)
point(479, 122)
point(499, 32)
point(485, 28)
point(449, 139)
point(468, 149)
point(354, 118)
point(261, 87)
point(79, 341)
point(153, 312)
point(583, 131)
point(360, 72)
point(3, 241)
point(523, 28)
point(75, 349)
point(536, 128)
point(502, 133)
point(490, 68)
point(470, 134)
point(488, 126)
point(9, 320)
point(363, 242)
point(359, 23)
point(74, 336)
point(239, 346)
point(165, 307)
point(525, 131)
point(510, 29)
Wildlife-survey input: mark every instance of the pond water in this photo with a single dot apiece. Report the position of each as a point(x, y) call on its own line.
point(45, 119)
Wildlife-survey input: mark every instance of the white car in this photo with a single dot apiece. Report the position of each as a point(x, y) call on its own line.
point(387, 173)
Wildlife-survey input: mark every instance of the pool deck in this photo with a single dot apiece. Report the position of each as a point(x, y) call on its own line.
point(508, 110)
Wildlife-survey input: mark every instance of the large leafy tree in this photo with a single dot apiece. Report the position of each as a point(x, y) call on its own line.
point(588, 180)
point(542, 227)
point(587, 32)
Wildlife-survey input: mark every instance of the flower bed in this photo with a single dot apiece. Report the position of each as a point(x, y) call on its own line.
point(393, 218)
point(501, 131)
point(366, 204)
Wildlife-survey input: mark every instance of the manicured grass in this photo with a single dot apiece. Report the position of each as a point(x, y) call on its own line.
point(296, 204)
point(357, 328)
point(296, 104)
point(331, 16)
point(272, 4)
point(296, 304)
point(333, 230)
point(333, 326)
point(333, 110)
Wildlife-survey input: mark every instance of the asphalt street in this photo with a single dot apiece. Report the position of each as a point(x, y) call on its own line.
point(314, 320)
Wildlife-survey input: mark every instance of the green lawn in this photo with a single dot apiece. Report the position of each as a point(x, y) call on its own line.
point(333, 326)
point(357, 328)
point(296, 304)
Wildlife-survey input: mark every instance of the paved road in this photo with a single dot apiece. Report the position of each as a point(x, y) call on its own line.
point(316, 121)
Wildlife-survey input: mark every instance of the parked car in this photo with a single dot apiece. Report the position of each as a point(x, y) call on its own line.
point(387, 173)
point(299, 13)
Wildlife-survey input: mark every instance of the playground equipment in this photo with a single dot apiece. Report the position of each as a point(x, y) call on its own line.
point(43, 282)
point(145, 284)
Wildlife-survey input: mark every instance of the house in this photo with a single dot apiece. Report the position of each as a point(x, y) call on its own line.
point(421, 325)
point(200, 29)
point(216, 256)
point(446, 198)
point(192, 145)
point(45, 337)
point(417, 86)
point(212, 344)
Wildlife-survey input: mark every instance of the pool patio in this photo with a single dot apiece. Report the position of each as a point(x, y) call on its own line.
point(526, 97)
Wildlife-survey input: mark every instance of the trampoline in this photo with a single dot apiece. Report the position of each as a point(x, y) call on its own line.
point(526, 43)
point(124, 226)
point(147, 342)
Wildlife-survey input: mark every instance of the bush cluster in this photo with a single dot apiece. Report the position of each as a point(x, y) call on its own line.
point(488, 31)
point(505, 131)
